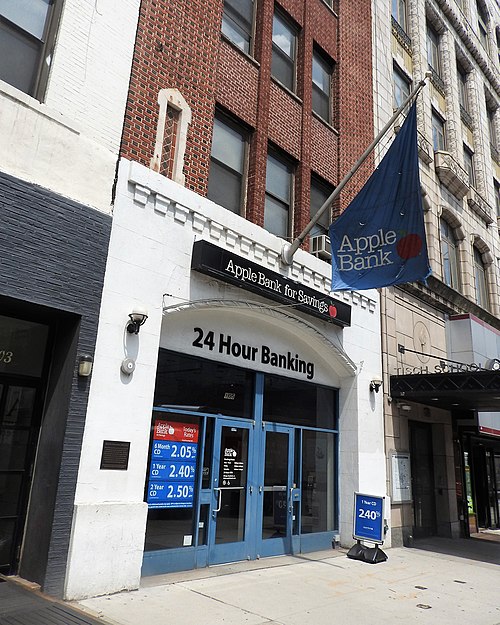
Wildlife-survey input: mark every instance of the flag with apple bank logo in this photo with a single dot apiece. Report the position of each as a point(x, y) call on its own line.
point(379, 240)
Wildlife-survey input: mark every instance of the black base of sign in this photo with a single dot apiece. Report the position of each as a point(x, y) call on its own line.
point(372, 555)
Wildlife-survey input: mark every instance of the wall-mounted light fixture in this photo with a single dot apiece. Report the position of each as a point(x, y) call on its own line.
point(137, 318)
point(375, 385)
point(85, 365)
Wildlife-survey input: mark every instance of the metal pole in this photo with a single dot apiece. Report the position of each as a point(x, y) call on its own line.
point(289, 249)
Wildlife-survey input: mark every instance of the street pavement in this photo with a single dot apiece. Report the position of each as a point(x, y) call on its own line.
point(436, 582)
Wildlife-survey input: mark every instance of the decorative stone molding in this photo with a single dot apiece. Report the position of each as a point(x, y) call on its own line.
point(451, 174)
point(232, 238)
point(401, 36)
point(174, 99)
point(161, 204)
point(449, 215)
point(471, 41)
point(146, 194)
point(424, 149)
point(141, 194)
point(479, 243)
point(479, 205)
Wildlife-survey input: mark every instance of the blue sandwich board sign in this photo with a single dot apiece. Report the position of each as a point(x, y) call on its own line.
point(369, 518)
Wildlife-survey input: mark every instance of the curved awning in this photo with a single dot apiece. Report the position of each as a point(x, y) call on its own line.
point(278, 312)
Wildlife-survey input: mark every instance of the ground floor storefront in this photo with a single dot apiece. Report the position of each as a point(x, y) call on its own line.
point(240, 418)
point(449, 412)
point(257, 481)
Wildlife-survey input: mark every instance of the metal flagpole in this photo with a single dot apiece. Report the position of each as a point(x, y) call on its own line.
point(289, 249)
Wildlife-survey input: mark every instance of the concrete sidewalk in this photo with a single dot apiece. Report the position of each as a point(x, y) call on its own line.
point(437, 582)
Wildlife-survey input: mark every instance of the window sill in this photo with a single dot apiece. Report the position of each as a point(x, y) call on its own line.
point(247, 56)
point(325, 123)
point(23, 99)
point(287, 90)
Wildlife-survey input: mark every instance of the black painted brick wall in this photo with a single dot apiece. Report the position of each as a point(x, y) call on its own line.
point(53, 252)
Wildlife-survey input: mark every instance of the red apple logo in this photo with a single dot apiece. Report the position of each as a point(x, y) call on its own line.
point(409, 246)
point(332, 311)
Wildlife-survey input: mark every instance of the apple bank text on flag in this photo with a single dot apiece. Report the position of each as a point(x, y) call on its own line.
point(379, 240)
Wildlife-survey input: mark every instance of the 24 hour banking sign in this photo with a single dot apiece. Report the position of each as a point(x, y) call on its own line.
point(174, 450)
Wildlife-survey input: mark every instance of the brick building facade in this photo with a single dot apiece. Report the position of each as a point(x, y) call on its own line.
point(181, 47)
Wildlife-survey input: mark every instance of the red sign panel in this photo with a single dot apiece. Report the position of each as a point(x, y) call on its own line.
point(178, 432)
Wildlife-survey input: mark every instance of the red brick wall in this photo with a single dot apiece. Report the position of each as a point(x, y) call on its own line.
point(355, 92)
point(179, 45)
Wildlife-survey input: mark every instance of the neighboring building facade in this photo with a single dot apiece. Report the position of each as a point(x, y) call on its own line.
point(64, 74)
point(237, 421)
point(440, 340)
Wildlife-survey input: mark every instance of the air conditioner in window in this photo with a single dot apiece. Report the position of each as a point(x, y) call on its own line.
point(320, 247)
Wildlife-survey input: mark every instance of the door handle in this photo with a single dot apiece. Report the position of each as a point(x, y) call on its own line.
point(219, 500)
point(290, 509)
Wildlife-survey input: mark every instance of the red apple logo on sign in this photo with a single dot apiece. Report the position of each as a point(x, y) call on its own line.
point(332, 311)
point(409, 246)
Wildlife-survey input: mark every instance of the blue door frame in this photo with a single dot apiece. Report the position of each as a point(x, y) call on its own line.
point(245, 535)
point(231, 534)
point(277, 490)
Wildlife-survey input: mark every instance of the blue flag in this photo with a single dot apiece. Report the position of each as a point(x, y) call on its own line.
point(379, 240)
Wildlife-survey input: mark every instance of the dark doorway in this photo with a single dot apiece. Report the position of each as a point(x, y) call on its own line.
point(22, 355)
point(422, 479)
point(484, 471)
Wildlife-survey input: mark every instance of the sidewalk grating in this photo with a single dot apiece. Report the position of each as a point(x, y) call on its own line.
point(19, 606)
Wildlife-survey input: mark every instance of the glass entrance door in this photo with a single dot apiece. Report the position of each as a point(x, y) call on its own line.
point(277, 490)
point(231, 532)
point(18, 437)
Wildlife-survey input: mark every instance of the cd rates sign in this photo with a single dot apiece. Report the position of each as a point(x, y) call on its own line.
point(368, 518)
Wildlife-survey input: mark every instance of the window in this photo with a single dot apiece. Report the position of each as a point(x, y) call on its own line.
point(469, 166)
point(401, 88)
point(438, 133)
point(284, 52)
point(462, 88)
point(449, 256)
point(399, 13)
point(492, 131)
point(480, 280)
point(433, 50)
point(320, 192)
point(321, 86)
point(237, 23)
point(26, 37)
point(227, 165)
point(496, 187)
point(279, 177)
point(482, 24)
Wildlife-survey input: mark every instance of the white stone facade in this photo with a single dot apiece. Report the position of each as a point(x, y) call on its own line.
point(417, 318)
point(156, 222)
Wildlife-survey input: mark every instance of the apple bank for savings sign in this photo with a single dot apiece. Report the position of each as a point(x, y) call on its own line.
point(214, 261)
point(172, 468)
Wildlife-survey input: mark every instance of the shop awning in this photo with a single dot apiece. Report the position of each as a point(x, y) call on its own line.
point(471, 390)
